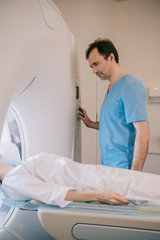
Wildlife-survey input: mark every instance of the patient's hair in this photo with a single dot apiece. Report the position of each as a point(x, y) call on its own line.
point(105, 48)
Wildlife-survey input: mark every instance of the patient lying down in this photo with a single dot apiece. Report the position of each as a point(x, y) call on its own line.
point(58, 180)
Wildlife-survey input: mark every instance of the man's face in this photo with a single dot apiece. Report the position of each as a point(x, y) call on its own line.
point(101, 66)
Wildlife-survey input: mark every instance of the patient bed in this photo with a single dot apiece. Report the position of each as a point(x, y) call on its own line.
point(94, 220)
point(100, 221)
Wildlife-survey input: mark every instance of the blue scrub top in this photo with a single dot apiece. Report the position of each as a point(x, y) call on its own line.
point(124, 104)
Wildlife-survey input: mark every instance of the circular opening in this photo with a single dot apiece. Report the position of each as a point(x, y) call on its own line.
point(12, 132)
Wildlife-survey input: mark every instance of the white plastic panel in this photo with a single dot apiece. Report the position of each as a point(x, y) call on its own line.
point(37, 79)
point(94, 232)
point(38, 74)
point(50, 13)
point(80, 219)
point(23, 225)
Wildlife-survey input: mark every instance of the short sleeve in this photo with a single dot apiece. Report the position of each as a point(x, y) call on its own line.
point(135, 102)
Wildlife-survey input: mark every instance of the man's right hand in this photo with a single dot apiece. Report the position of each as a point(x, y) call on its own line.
point(87, 121)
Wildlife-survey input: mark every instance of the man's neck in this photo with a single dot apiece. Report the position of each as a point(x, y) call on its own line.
point(116, 76)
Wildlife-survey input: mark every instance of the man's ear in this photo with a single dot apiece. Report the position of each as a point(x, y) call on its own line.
point(111, 57)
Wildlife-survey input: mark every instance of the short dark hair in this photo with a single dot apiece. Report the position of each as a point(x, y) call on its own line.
point(105, 48)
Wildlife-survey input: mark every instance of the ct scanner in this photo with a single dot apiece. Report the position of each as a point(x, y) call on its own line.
point(38, 86)
point(39, 98)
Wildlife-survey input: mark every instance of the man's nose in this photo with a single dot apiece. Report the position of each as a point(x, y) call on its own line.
point(94, 70)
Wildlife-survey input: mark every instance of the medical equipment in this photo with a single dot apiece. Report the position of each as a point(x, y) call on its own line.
point(38, 86)
point(99, 221)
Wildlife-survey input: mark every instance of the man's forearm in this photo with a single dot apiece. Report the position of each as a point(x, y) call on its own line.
point(94, 125)
point(140, 151)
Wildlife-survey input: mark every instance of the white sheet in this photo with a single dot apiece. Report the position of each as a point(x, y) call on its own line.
point(48, 178)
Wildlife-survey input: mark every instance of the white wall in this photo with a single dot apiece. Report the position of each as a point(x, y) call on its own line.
point(133, 25)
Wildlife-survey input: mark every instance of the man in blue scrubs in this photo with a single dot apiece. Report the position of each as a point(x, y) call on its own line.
point(123, 126)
